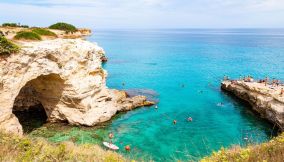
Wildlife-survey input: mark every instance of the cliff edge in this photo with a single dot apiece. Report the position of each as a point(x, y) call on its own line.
point(264, 99)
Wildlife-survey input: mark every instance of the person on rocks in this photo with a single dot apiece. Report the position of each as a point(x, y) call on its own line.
point(266, 81)
point(282, 92)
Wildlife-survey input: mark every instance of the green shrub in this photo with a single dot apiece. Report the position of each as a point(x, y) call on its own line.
point(24, 26)
point(44, 32)
point(7, 47)
point(9, 24)
point(64, 26)
point(27, 35)
point(14, 25)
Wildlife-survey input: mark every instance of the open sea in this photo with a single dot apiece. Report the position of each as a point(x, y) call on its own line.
point(181, 69)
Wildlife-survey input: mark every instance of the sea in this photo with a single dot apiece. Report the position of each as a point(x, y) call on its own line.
point(181, 70)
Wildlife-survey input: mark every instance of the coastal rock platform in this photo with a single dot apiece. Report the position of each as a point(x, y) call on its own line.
point(65, 76)
point(267, 100)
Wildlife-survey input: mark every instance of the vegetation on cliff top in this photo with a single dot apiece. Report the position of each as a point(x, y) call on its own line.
point(7, 47)
point(13, 148)
point(64, 26)
point(27, 35)
point(265, 152)
point(44, 32)
point(14, 25)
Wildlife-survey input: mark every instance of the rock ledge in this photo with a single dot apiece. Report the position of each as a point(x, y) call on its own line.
point(266, 100)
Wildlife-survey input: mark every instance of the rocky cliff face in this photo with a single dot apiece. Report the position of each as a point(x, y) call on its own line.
point(66, 77)
point(266, 100)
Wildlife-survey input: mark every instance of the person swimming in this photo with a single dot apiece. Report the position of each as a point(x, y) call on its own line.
point(156, 107)
point(189, 119)
point(220, 104)
point(110, 135)
point(175, 122)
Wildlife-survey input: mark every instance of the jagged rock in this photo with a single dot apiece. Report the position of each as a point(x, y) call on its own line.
point(265, 100)
point(66, 77)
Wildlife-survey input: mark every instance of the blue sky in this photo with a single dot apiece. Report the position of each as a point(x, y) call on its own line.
point(147, 13)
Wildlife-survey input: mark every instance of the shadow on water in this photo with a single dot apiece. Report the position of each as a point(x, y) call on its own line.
point(246, 110)
point(31, 118)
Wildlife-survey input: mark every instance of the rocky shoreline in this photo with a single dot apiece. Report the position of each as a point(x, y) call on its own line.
point(66, 77)
point(265, 99)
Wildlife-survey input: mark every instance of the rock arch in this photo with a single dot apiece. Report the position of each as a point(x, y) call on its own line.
point(67, 79)
point(45, 90)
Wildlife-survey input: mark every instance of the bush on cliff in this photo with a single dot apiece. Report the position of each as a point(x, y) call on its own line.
point(64, 26)
point(27, 35)
point(270, 151)
point(13, 148)
point(7, 47)
point(44, 32)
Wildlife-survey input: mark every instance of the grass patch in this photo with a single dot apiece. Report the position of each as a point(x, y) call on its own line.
point(7, 47)
point(13, 148)
point(27, 35)
point(44, 32)
point(64, 26)
point(270, 151)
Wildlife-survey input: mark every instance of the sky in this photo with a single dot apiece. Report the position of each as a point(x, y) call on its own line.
point(146, 13)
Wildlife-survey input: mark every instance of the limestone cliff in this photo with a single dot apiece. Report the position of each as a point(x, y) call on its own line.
point(66, 77)
point(266, 100)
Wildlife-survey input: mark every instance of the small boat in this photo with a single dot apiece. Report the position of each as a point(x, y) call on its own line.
point(110, 146)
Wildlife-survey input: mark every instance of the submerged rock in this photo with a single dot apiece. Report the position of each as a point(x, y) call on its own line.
point(264, 99)
point(66, 77)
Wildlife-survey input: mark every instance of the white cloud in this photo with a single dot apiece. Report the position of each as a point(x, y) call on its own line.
point(147, 13)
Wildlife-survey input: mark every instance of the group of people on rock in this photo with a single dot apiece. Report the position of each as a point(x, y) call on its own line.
point(274, 82)
point(248, 79)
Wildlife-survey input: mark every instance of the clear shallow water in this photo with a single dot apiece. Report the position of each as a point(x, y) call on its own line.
point(157, 63)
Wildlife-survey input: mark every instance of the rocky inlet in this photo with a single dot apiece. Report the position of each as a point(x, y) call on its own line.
point(66, 77)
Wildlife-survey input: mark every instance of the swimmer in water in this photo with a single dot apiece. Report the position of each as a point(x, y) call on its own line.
point(220, 104)
point(189, 119)
point(156, 107)
point(174, 121)
point(110, 135)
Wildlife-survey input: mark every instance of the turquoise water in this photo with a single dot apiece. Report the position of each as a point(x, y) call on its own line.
point(182, 69)
point(163, 61)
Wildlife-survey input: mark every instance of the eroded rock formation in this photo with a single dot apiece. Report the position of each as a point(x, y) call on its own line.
point(66, 77)
point(264, 99)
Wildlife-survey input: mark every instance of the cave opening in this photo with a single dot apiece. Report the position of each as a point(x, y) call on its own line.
point(36, 99)
point(31, 118)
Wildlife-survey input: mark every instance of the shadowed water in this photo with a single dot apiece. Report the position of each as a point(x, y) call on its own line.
point(182, 69)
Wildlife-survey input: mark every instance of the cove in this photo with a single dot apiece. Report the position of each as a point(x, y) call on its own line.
point(182, 69)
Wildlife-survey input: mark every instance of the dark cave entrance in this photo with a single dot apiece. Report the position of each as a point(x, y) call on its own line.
point(31, 118)
point(28, 109)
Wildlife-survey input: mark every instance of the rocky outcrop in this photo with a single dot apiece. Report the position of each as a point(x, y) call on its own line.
point(264, 99)
point(66, 77)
